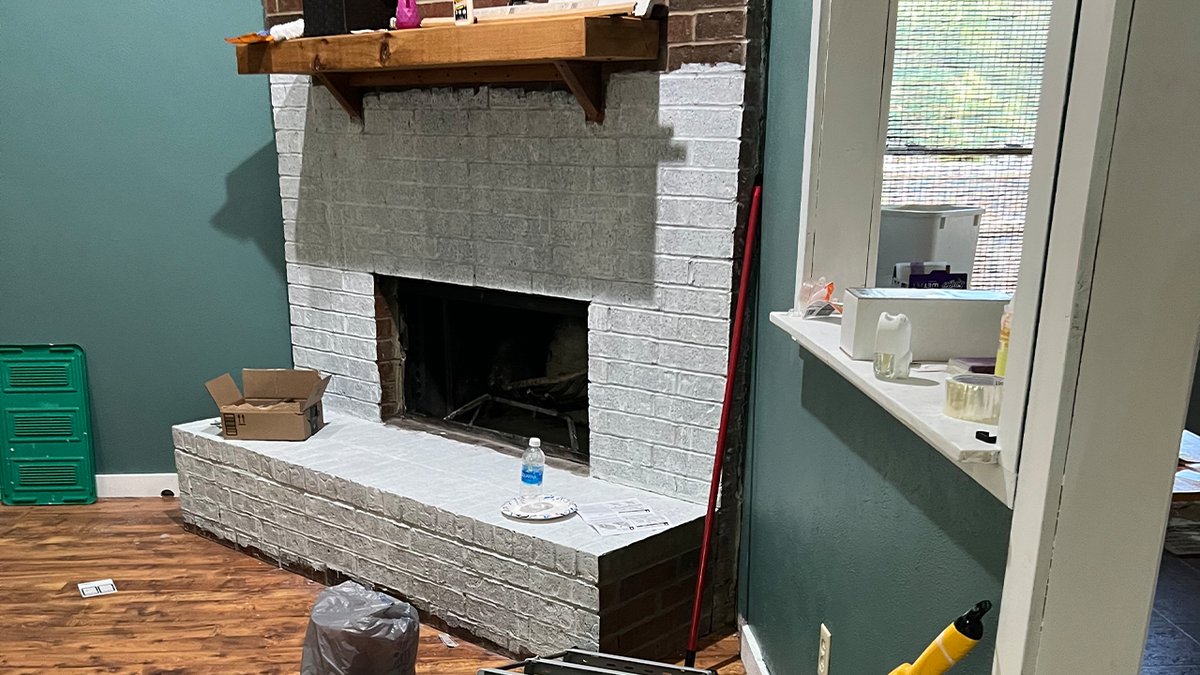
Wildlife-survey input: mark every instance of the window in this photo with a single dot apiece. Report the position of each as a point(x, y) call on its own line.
point(966, 76)
point(928, 102)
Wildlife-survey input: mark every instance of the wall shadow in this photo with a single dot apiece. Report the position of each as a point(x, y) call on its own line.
point(495, 187)
point(959, 507)
point(252, 207)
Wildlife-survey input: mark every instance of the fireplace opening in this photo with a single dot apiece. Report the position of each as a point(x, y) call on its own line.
point(500, 365)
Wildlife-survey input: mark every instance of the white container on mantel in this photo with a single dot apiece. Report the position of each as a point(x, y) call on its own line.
point(945, 322)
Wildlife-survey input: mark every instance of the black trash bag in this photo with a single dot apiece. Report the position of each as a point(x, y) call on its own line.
point(356, 631)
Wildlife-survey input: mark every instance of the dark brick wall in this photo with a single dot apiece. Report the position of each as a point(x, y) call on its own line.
point(698, 31)
point(390, 353)
point(706, 31)
point(281, 11)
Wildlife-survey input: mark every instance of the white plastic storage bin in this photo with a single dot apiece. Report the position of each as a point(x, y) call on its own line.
point(924, 233)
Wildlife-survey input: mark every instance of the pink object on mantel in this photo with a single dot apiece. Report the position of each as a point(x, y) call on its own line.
point(407, 15)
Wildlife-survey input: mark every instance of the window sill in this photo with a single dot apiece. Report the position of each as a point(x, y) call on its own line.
point(916, 402)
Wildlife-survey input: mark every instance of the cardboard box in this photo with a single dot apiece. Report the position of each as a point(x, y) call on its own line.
point(279, 405)
point(945, 323)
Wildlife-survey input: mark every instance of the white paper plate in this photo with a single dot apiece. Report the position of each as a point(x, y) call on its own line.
point(545, 507)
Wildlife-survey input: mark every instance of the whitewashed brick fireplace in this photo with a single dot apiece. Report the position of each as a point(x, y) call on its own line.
point(507, 189)
point(514, 190)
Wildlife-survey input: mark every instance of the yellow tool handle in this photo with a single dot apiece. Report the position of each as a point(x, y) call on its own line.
point(948, 649)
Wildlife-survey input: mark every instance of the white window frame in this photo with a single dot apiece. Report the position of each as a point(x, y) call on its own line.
point(1106, 319)
point(849, 98)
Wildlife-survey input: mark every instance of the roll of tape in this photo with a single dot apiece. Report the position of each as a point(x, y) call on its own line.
point(974, 397)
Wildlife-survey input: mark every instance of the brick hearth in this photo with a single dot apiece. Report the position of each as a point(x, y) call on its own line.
point(420, 514)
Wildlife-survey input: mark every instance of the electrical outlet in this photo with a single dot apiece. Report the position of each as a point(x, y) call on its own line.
point(823, 652)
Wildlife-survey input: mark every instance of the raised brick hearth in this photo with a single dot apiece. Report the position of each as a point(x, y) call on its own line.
point(419, 514)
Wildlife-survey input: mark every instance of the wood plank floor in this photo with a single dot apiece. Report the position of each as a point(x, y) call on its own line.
point(185, 605)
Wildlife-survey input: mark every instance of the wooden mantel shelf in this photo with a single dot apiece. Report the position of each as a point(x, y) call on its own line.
point(569, 50)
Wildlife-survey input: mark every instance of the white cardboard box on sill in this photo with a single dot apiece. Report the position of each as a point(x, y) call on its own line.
point(945, 322)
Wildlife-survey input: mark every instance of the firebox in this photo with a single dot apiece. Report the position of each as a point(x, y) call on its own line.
point(502, 365)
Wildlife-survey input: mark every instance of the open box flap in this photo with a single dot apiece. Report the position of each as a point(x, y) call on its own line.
point(317, 392)
point(224, 390)
point(279, 383)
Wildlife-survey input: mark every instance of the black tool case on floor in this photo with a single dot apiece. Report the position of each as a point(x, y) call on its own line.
point(579, 662)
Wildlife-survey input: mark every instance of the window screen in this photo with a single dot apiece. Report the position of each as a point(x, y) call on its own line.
point(965, 84)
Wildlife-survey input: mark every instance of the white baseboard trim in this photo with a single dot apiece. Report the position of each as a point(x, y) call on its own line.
point(752, 655)
point(135, 484)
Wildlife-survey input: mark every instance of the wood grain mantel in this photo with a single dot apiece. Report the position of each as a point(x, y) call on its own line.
point(569, 50)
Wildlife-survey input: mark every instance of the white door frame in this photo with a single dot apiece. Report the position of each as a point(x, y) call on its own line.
point(1115, 343)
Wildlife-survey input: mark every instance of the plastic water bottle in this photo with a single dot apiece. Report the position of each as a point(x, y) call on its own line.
point(533, 467)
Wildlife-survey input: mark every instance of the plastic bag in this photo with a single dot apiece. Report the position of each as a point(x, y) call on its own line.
point(356, 631)
point(406, 15)
point(815, 300)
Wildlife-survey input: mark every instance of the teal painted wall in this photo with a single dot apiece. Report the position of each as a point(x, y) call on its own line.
point(139, 207)
point(850, 519)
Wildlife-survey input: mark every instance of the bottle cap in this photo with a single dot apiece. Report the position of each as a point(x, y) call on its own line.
point(535, 442)
point(971, 624)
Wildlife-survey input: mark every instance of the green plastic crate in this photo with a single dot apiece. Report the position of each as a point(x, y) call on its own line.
point(46, 424)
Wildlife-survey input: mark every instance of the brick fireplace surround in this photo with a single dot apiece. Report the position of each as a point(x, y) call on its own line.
point(510, 189)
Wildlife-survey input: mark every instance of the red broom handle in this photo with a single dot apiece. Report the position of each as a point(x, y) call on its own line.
point(730, 375)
